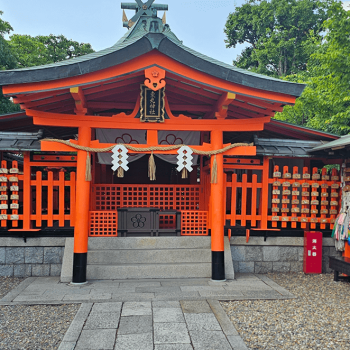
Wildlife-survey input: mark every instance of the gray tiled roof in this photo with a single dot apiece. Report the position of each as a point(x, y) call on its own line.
point(284, 147)
point(342, 142)
point(20, 141)
point(140, 40)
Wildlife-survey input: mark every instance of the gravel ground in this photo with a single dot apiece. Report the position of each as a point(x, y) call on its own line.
point(7, 284)
point(37, 327)
point(318, 319)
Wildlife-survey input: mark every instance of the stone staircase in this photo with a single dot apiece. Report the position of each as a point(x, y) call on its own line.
point(148, 257)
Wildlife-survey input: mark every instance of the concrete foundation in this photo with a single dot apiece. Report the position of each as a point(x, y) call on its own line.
point(37, 257)
point(44, 256)
point(276, 254)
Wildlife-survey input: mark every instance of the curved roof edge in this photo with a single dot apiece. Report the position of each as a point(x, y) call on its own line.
point(305, 129)
point(138, 45)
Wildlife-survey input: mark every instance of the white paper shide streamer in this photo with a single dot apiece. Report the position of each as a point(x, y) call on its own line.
point(120, 160)
point(184, 160)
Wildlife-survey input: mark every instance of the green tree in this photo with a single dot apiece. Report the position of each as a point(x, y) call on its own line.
point(7, 61)
point(325, 102)
point(33, 51)
point(27, 51)
point(59, 48)
point(275, 32)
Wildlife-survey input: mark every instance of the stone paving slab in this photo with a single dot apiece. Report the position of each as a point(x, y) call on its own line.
point(149, 315)
point(166, 304)
point(225, 323)
point(195, 307)
point(205, 340)
point(137, 309)
point(49, 290)
point(96, 340)
point(135, 325)
point(102, 320)
point(165, 315)
point(173, 347)
point(171, 333)
point(134, 342)
point(198, 324)
point(106, 307)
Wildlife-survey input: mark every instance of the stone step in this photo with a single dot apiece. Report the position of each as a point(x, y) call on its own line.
point(148, 271)
point(98, 243)
point(146, 256)
point(152, 257)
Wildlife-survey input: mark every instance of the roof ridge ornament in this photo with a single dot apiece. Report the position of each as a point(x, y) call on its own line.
point(141, 9)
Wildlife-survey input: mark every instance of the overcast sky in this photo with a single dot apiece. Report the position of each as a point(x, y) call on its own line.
point(198, 23)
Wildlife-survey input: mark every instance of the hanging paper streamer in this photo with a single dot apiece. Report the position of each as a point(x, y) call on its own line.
point(120, 160)
point(184, 160)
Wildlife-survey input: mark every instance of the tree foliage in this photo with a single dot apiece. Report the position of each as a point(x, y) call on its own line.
point(7, 59)
point(59, 48)
point(34, 51)
point(276, 32)
point(27, 51)
point(325, 102)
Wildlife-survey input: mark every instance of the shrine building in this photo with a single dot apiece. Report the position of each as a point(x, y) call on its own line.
point(151, 140)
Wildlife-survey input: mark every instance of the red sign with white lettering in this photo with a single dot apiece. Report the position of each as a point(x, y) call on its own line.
point(312, 252)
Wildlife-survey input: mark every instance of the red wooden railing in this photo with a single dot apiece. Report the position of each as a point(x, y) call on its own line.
point(307, 200)
point(46, 209)
point(30, 202)
point(298, 199)
point(242, 204)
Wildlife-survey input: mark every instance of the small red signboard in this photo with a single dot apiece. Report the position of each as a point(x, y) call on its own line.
point(312, 252)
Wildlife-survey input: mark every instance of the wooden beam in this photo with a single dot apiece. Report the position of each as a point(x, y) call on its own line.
point(46, 101)
point(191, 108)
point(113, 85)
point(250, 114)
point(123, 121)
point(187, 96)
point(221, 106)
point(134, 88)
point(206, 147)
point(249, 107)
point(22, 98)
point(257, 102)
point(110, 105)
point(79, 98)
point(187, 85)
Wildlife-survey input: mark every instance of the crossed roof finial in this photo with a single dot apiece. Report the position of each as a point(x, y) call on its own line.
point(141, 9)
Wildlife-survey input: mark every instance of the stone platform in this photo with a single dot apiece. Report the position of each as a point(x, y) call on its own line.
point(164, 314)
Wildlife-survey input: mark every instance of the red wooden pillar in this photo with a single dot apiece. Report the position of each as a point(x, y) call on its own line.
point(27, 198)
point(347, 250)
point(82, 210)
point(217, 211)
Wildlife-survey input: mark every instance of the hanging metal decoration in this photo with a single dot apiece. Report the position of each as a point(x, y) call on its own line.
point(120, 160)
point(184, 160)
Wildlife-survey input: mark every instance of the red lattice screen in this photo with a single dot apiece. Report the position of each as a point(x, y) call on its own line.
point(167, 221)
point(103, 223)
point(194, 223)
point(178, 197)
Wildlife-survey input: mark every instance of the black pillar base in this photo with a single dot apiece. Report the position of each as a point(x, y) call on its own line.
point(218, 266)
point(79, 267)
